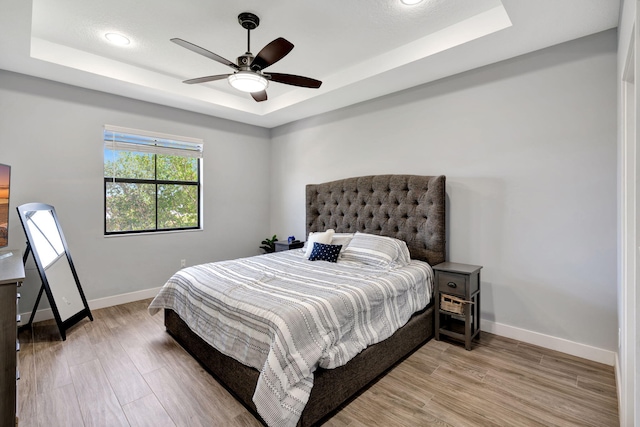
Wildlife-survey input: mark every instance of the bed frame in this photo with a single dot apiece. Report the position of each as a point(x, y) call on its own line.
point(407, 207)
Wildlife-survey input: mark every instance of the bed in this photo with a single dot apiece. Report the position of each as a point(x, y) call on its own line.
point(406, 207)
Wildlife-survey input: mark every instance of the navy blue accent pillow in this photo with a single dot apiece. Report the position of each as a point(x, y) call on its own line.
point(322, 252)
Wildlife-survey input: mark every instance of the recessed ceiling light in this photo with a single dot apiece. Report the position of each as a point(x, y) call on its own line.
point(118, 39)
point(410, 2)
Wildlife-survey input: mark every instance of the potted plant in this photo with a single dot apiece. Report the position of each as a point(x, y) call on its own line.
point(269, 244)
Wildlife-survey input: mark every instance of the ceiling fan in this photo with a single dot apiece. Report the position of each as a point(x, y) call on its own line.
point(248, 75)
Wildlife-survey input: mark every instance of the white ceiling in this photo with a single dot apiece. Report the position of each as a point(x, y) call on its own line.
point(360, 49)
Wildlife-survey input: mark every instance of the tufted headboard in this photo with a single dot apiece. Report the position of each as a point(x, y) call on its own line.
point(407, 207)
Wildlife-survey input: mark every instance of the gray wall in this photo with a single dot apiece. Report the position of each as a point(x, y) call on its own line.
point(51, 135)
point(528, 146)
point(529, 150)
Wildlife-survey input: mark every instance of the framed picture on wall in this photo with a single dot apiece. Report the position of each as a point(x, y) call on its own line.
point(5, 176)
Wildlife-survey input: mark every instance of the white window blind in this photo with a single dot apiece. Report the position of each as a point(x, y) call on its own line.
point(140, 141)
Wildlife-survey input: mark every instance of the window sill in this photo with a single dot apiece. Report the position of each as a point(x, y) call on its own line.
point(153, 233)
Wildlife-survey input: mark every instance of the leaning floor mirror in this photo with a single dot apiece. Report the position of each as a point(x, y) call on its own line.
point(60, 282)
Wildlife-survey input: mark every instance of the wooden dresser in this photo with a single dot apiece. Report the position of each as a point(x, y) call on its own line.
point(11, 277)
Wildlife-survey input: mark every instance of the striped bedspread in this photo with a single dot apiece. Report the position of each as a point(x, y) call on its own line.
point(285, 315)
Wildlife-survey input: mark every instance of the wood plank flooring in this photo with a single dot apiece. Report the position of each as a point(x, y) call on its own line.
point(123, 369)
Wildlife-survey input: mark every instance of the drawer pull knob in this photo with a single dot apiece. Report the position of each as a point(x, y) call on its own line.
point(452, 285)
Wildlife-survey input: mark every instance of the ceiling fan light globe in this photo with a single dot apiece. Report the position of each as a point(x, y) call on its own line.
point(247, 81)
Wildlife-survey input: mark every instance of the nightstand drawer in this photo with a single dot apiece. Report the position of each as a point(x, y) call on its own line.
point(453, 283)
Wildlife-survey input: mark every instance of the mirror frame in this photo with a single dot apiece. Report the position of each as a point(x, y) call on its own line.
point(23, 210)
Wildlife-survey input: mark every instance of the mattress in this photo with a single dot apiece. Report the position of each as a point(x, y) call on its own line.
point(285, 316)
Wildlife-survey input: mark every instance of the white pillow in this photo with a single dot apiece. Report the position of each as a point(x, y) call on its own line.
point(320, 237)
point(377, 251)
point(342, 239)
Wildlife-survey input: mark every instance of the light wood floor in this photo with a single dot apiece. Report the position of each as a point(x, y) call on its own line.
point(123, 369)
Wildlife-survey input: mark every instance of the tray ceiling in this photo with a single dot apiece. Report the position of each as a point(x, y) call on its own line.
point(360, 49)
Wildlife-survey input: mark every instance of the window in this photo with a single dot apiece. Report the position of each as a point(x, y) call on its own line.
point(152, 182)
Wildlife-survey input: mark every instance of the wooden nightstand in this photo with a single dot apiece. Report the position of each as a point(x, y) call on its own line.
point(286, 246)
point(457, 282)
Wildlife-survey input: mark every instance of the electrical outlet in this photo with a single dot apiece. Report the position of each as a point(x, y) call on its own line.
point(183, 263)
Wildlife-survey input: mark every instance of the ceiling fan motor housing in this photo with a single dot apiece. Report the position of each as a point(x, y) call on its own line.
point(244, 61)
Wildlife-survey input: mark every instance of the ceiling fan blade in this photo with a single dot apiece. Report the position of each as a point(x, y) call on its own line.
point(259, 96)
point(204, 52)
point(206, 79)
point(271, 53)
point(290, 79)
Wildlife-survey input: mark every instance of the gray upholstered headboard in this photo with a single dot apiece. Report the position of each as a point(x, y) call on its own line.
point(407, 207)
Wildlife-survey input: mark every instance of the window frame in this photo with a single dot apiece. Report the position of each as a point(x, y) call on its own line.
point(193, 144)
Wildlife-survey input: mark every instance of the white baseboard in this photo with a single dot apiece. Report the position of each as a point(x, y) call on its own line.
point(46, 313)
point(584, 351)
